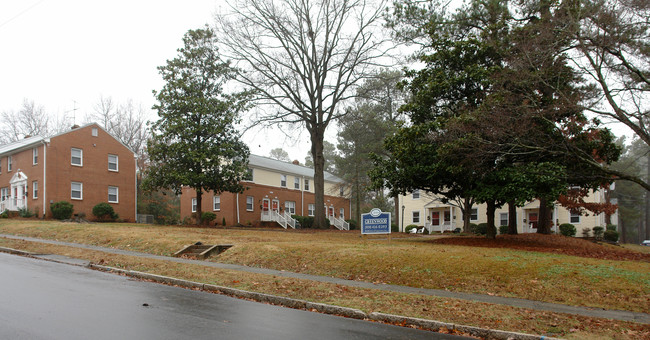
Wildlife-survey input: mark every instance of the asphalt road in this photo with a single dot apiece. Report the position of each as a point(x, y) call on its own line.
point(46, 300)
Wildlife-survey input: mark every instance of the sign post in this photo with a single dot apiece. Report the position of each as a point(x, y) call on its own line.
point(376, 222)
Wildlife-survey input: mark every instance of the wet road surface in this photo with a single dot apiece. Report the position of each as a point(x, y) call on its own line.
point(46, 300)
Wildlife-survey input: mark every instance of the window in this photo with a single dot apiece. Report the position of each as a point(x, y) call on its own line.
point(249, 203)
point(94, 132)
point(342, 213)
point(416, 194)
point(35, 189)
point(341, 191)
point(503, 217)
point(76, 191)
point(306, 185)
point(416, 217)
point(290, 207)
point(76, 157)
point(4, 194)
point(113, 195)
point(473, 216)
point(283, 181)
point(249, 175)
point(574, 218)
point(310, 210)
point(112, 162)
point(35, 156)
point(8, 163)
point(193, 204)
point(216, 203)
point(447, 216)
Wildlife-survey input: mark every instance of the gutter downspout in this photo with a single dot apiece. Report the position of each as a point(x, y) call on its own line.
point(136, 187)
point(237, 205)
point(302, 197)
point(45, 176)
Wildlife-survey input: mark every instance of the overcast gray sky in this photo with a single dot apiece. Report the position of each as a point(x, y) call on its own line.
point(58, 52)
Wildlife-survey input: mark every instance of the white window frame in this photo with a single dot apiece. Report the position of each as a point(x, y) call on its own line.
point(573, 215)
point(283, 181)
point(310, 209)
point(194, 205)
point(35, 189)
point(81, 156)
point(249, 175)
point(81, 191)
point(117, 194)
point(415, 216)
point(306, 184)
point(117, 163)
point(9, 163)
point(342, 213)
point(250, 201)
point(416, 194)
point(94, 132)
point(290, 207)
point(342, 191)
point(296, 183)
point(4, 193)
point(216, 203)
point(34, 156)
point(501, 218)
point(471, 213)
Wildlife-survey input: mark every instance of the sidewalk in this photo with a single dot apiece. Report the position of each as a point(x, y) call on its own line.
point(515, 302)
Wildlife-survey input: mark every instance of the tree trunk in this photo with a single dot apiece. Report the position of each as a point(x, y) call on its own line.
point(621, 227)
point(467, 214)
point(319, 178)
point(647, 205)
point(544, 218)
point(199, 194)
point(512, 218)
point(396, 201)
point(491, 231)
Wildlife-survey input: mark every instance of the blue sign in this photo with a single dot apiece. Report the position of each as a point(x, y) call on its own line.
point(375, 222)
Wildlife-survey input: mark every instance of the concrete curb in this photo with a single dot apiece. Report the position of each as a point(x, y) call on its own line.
point(431, 325)
point(16, 251)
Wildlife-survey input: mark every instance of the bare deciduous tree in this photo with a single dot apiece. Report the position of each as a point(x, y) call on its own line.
point(30, 120)
point(127, 122)
point(302, 58)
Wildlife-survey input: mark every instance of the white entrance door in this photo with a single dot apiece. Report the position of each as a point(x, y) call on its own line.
point(18, 191)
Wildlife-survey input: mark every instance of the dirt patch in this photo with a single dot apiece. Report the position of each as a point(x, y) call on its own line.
point(557, 244)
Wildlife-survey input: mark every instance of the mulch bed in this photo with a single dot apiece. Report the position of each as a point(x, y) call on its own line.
point(557, 244)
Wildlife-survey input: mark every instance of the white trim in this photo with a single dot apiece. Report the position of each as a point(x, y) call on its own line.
point(252, 203)
point(571, 214)
point(117, 194)
point(477, 214)
point(81, 157)
point(214, 202)
point(81, 191)
point(194, 205)
point(117, 163)
point(35, 156)
point(34, 189)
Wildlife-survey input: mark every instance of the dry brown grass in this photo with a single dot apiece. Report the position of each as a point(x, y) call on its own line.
point(446, 310)
point(416, 262)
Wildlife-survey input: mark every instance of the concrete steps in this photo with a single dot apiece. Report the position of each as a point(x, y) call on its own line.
point(202, 251)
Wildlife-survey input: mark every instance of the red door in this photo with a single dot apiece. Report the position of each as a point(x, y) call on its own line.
point(435, 218)
point(276, 205)
point(265, 204)
point(532, 220)
point(331, 214)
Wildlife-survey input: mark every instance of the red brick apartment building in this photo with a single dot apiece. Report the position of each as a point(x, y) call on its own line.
point(274, 188)
point(84, 166)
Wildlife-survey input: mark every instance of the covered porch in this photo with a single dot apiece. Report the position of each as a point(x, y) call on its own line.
point(440, 217)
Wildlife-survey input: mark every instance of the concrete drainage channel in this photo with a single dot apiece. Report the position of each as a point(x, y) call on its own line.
point(431, 325)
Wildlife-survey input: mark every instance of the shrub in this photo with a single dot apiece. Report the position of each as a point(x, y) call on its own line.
point(409, 227)
point(104, 211)
point(207, 217)
point(568, 229)
point(61, 210)
point(598, 233)
point(305, 221)
point(503, 229)
point(611, 235)
point(585, 232)
point(353, 224)
point(25, 212)
point(611, 227)
point(4, 215)
point(223, 221)
point(479, 229)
